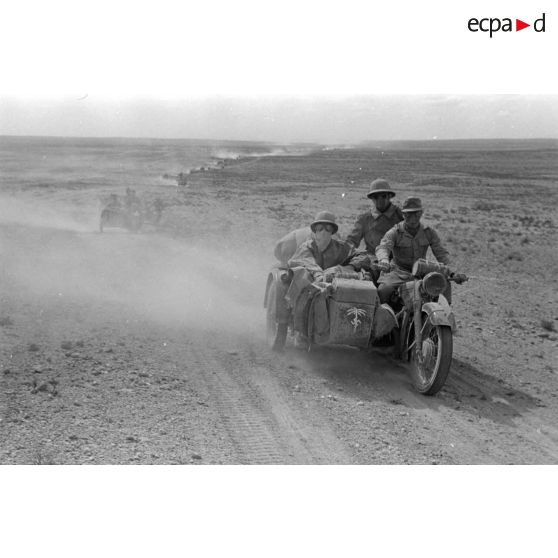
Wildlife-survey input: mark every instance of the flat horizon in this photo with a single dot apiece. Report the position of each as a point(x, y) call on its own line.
point(228, 140)
point(288, 120)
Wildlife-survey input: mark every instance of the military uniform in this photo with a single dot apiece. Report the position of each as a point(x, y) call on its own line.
point(309, 256)
point(308, 265)
point(406, 250)
point(373, 225)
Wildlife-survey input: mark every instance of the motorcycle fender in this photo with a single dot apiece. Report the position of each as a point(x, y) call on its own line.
point(440, 314)
point(272, 276)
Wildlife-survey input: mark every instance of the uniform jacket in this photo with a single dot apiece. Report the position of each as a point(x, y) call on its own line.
point(309, 256)
point(407, 249)
point(372, 226)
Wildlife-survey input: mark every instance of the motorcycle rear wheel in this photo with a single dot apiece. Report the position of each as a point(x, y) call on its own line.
point(276, 333)
point(437, 349)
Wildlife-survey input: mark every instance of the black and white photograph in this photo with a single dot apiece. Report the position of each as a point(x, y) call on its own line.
point(227, 242)
point(229, 301)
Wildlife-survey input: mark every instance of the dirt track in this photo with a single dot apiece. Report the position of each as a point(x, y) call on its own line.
point(149, 348)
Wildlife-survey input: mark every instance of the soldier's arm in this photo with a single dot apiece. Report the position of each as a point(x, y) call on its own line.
point(355, 236)
point(383, 250)
point(442, 255)
point(303, 257)
point(351, 252)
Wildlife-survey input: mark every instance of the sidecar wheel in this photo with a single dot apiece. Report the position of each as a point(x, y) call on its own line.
point(276, 334)
point(430, 375)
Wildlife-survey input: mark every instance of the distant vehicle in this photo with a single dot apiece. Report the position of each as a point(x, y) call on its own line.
point(154, 212)
point(114, 215)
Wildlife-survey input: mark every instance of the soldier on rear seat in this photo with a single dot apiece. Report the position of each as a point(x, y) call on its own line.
point(371, 226)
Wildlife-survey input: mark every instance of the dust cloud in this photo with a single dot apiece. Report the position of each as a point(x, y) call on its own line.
point(33, 212)
point(168, 280)
point(278, 151)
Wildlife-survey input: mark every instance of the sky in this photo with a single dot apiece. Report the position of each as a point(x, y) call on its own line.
point(304, 70)
point(287, 119)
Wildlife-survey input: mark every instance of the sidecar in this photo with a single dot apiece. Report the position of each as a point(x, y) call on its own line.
point(346, 311)
point(121, 218)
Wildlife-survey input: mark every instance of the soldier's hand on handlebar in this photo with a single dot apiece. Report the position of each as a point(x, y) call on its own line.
point(360, 261)
point(384, 266)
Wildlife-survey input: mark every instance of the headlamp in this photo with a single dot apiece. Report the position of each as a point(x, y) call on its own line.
point(434, 284)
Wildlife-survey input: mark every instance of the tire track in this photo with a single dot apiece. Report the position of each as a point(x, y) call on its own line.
point(265, 425)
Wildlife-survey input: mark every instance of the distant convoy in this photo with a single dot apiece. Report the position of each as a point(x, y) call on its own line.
point(216, 164)
point(131, 214)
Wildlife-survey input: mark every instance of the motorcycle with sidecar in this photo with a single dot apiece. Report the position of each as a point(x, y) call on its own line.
point(130, 219)
point(418, 321)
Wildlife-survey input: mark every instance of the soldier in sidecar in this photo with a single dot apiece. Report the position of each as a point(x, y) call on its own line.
point(321, 297)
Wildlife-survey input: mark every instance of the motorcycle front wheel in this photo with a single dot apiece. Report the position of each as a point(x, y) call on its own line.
point(430, 372)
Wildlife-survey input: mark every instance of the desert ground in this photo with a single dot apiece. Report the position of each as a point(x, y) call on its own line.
point(149, 348)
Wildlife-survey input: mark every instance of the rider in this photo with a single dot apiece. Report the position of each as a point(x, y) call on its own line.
point(407, 242)
point(315, 261)
point(132, 200)
point(373, 224)
point(158, 206)
point(287, 245)
point(322, 255)
point(113, 203)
